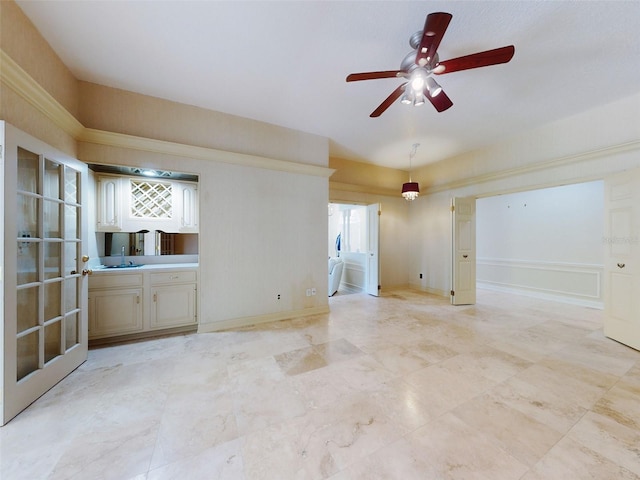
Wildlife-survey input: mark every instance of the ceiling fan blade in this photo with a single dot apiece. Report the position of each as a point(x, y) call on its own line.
point(440, 101)
point(354, 77)
point(476, 60)
point(434, 27)
point(388, 101)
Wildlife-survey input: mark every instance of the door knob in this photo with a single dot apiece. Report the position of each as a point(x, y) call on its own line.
point(85, 258)
point(86, 272)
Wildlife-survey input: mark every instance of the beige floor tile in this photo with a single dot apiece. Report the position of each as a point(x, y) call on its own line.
point(400, 386)
point(457, 451)
point(523, 437)
point(605, 436)
point(570, 459)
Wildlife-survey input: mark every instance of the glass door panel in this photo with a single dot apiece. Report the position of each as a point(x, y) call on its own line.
point(51, 222)
point(51, 184)
point(52, 260)
point(28, 354)
point(71, 180)
point(28, 307)
point(28, 170)
point(52, 340)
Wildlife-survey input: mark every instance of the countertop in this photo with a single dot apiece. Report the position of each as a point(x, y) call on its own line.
point(153, 266)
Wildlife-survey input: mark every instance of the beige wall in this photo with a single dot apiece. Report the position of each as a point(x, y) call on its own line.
point(119, 111)
point(21, 41)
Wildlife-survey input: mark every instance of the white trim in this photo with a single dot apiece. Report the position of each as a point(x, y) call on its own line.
point(258, 319)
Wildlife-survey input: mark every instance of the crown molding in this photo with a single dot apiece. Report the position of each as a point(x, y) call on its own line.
point(536, 167)
point(369, 189)
point(18, 80)
point(121, 140)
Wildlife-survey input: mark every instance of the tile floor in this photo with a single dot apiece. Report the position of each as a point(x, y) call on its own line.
point(404, 386)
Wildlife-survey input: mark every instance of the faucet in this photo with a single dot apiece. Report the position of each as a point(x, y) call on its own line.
point(122, 264)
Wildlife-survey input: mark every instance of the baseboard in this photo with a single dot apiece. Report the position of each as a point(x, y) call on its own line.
point(432, 291)
point(258, 319)
point(542, 295)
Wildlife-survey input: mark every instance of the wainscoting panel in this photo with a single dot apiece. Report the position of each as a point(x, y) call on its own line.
point(572, 283)
point(353, 275)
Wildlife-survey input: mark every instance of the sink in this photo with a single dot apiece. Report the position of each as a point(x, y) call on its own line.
point(123, 266)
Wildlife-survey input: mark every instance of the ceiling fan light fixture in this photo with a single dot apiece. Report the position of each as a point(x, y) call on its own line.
point(418, 78)
point(433, 87)
point(408, 97)
point(419, 100)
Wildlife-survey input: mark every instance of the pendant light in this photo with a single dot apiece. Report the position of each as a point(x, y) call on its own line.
point(411, 190)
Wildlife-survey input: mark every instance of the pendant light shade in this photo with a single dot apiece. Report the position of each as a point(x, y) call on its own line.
point(411, 190)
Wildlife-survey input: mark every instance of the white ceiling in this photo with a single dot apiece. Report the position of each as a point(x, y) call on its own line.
point(285, 63)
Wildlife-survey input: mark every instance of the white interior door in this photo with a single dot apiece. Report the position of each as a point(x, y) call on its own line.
point(45, 292)
point(622, 258)
point(463, 275)
point(372, 286)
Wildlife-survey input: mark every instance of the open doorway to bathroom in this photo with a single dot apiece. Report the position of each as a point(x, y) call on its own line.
point(347, 248)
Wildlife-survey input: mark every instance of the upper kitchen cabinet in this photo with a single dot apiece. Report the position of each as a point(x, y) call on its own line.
point(132, 204)
point(188, 193)
point(109, 218)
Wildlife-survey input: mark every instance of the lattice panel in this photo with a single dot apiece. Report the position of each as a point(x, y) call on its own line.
point(151, 199)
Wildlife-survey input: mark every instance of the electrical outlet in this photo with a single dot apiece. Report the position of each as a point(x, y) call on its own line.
point(278, 296)
point(420, 275)
point(313, 291)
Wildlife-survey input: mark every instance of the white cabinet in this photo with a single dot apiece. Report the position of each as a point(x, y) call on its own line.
point(141, 302)
point(115, 305)
point(188, 204)
point(132, 204)
point(109, 204)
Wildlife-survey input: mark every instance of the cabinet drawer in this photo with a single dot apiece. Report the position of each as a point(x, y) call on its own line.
point(182, 276)
point(120, 280)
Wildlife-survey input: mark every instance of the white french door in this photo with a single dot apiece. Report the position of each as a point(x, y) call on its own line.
point(372, 285)
point(45, 291)
point(622, 258)
point(463, 225)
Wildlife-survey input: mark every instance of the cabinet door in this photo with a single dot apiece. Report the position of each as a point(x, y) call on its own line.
point(109, 214)
point(115, 312)
point(173, 305)
point(188, 207)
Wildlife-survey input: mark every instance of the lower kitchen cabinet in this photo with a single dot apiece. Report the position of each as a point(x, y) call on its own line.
point(135, 303)
point(115, 312)
point(173, 305)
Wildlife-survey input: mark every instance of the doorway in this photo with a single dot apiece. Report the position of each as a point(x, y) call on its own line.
point(545, 243)
point(353, 244)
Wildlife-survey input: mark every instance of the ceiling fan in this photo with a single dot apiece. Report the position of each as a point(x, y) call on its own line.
point(419, 64)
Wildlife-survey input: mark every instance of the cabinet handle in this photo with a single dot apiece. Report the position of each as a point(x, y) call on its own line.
point(465, 256)
point(155, 297)
point(138, 299)
point(621, 265)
